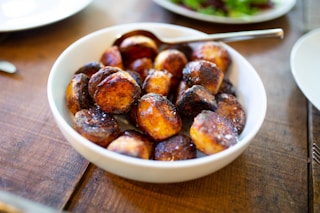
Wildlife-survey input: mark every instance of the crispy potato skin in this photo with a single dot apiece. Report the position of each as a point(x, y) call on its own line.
point(195, 99)
point(97, 77)
point(213, 52)
point(203, 73)
point(157, 116)
point(112, 57)
point(77, 95)
point(157, 82)
point(90, 68)
point(134, 144)
point(212, 133)
point(97, 126)
point(117, 92)
point(136, 47)
point(179, 147)
point(231, 109)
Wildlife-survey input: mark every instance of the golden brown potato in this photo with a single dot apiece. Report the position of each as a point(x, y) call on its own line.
point(179, 147)
point(204, 73)
point(136, 47)
point(77, 95)
point(214, 52)
point(173, 61)
point(212, 133)
point(97, 126)
point(134, 144)
point(117, 92)
point(112, 57)
point(142, 66)
point(97, 77)
point(231, 109)
point(157, 116)
point(195, 99)
point(90, 68)
point(157, 82)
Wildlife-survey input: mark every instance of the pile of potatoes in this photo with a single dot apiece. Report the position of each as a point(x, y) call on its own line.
point(178, 100)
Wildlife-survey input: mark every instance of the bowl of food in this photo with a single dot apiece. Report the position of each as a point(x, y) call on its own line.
point(152, 114)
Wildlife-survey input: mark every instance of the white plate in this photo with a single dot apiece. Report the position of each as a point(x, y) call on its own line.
point(25, 14)
point(281, 8)
point(305, 63)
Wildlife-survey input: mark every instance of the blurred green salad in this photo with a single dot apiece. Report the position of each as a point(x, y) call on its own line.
point(230, 8)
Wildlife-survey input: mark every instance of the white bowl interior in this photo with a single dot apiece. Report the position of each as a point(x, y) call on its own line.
point(250, 91)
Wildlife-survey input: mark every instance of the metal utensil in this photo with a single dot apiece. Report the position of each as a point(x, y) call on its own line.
point(225, 37)
point(7, 67)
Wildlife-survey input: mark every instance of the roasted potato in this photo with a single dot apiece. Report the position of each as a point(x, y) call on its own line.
point(179, 147)
point(142, 66)
point(97, 77)
point(96, 125)
point(157, 116)
point(112, 57)
point(136, 47)
point(195, 99)
point(204, 73)
point(116, 92)
point(230, 108)
point(90, 68)
point(157, 82)
point(212, 133)
point(214, 52)
point(77, 94)
point(173, 61)
point(134, 144)
point(227, 87)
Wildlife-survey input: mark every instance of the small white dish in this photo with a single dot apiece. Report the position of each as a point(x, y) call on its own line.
point(249, 88)
point(18, 15)
point(305, 63)
point(281, 7)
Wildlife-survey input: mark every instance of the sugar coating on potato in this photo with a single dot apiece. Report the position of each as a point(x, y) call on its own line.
point(212, 133)
point(157, 116)
point(157, 81)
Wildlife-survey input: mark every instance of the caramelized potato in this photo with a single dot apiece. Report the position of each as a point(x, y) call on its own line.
point(213, 52)
point(136, 76)
point(179, 147)
point(142, 66)
point(97, 126)
point(97, 77)
point(212, 133)
point(227, 87)
point(203, 73)
point(90, 68)
point(195, 99)
point(112, 57)
point(138, 46)
point(157, 82)
point(117, 92)
point(182, 87)
point(134, 144)
point(77, 95)
point(173, 61)
point(231, 109)
point(157, 116)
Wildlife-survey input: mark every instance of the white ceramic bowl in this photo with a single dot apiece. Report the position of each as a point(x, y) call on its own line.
point(250, 91)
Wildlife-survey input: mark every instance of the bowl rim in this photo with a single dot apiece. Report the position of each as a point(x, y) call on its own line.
point(62, 123)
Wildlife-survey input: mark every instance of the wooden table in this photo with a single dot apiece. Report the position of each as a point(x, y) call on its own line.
point(275, 174)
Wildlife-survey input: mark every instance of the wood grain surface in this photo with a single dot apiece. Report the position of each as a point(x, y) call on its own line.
point(37, 163)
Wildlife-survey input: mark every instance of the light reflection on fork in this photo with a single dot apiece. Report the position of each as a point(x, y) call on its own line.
point(316, 153)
